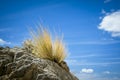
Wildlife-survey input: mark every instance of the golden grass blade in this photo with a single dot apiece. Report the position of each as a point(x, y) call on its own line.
point(43, 44)
point(59, 51)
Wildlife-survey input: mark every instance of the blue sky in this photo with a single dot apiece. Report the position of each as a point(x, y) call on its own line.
point(91, 31)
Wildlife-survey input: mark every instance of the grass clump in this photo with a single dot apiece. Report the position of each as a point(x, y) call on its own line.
point(59, 50)
point(28, 45)
point(46, 48)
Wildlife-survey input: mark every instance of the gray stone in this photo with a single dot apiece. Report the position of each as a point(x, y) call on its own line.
point(17, 64)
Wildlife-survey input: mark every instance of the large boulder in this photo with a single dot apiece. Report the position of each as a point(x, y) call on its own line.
point(18, 64)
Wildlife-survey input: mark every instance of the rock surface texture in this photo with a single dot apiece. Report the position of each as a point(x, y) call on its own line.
point(17, 64)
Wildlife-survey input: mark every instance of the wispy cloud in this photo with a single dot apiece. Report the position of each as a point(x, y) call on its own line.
point(105, 75)
point(75, 62)
point(96, 55)
point(84, 56)
point(3, 42)
point(95, 76)
point(106, 72)
point(4, 29)
point(111, 23)
point(107, 1)
point(102, 42)
point(103, 11)
point(116, 58)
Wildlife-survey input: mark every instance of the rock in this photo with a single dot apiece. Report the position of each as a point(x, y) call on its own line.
point(1, 48)
point(17, 64)
point(63, 64)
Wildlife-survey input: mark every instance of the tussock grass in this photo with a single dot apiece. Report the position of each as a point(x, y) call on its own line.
point(28, 45)
point(46, 48)
point(59, 50)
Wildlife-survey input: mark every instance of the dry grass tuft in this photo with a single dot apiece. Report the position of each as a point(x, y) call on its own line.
point(59, 50)
point(45, 48)
point(28, 45)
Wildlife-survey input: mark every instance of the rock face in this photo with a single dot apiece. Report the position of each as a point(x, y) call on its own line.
point(17, 64)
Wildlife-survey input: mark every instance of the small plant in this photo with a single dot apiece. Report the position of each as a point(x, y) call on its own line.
point(59, 50)
point(28, 45)
point(45, 48)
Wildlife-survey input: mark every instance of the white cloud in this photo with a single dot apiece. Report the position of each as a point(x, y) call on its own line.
point(2, 42)
point(106, 72)
point(111, 24)
point(106, 1)
point(84, 70)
